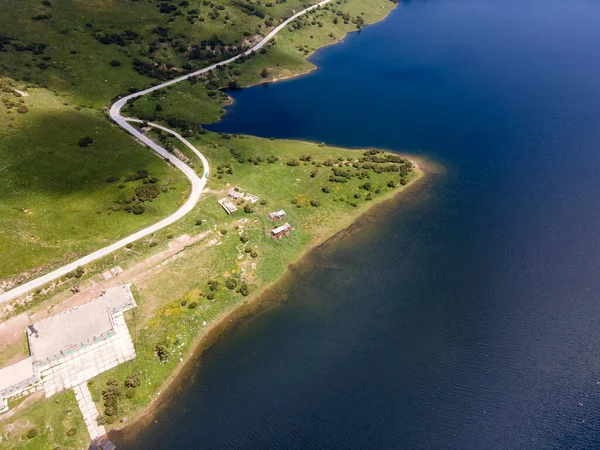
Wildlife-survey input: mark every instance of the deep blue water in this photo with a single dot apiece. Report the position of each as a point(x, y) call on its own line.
point(466, 316)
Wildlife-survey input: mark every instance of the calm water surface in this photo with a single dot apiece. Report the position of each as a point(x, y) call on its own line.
point(466, 317)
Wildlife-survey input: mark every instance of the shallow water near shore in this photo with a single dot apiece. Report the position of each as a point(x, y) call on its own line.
point(463, 316)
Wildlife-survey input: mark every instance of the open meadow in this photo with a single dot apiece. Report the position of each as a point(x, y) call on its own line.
point(61, 197)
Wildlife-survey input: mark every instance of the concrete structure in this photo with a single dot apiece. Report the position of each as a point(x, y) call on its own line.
point(72, 347)
point(234, 194)
point(229, 207)
point(283, 230)
point(89, 411)
point(16, 379)
point(238, 193)
point(251, 198)
point(277, 215)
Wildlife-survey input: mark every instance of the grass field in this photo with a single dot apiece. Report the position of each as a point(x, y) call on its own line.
point(53, 424)
point(55, 200)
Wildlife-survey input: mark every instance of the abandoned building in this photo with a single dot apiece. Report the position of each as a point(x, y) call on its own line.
point(283, 230)
point(277, 215)
point(227, 205)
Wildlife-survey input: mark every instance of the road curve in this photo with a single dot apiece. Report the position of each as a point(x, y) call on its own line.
point(197, 183)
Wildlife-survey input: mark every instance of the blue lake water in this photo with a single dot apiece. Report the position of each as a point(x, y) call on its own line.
point(466, 316)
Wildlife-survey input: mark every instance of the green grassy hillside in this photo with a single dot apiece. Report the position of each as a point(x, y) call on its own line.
point(60, 200)
point(68, 45)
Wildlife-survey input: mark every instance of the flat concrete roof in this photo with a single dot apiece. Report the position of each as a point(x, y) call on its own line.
point(16, 373)
point(118, 298)
point(286, 226)
point(68, 330)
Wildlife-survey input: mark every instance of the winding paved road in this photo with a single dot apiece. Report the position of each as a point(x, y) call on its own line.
point(198, 183)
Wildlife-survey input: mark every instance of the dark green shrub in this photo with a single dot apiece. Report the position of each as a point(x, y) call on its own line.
point(315, 202)
point(111, 392)
point(130, 245)
point(138, 209)
point(147, 192)
point(85, 141)
point(199, 222)
point(244, 238)
point(71, 431)
point(31, 433)
point(162, 352)
point(133, 380)
point(325, 189)
point(22, 109)
point(112, 179)
point(210, 296)
point(247, 250)
point(153, 244)
point(115, 63)
point(130, 393)
point(231, 283)
point(223, 232)
point(253, 253)
point(183, 302)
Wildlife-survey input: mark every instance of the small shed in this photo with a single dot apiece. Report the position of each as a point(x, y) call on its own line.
point(235, 194)
point(229, 207)
point(251, 198)
point(283, 230)
point(277, 215)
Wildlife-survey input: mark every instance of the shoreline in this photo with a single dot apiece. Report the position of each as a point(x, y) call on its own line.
point(337, 41)
point(271, 293)
point(310, 70)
